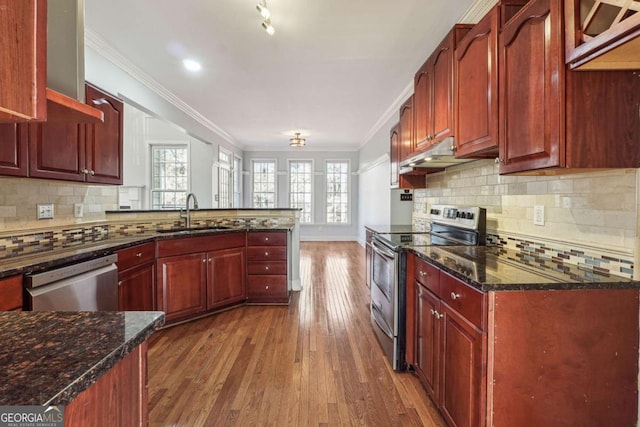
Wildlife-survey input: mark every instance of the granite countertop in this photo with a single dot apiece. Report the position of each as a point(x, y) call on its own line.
point(492, 268)
point(48, 358)
point(59, 256)
point(394, 229)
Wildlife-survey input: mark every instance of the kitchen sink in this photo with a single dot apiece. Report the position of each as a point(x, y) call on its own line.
point(184, 229)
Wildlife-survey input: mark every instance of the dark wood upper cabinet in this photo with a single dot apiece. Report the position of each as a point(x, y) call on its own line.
point(553, 120)
point(476, 114)
point(104, 140)
point(476, 84)
point(23, 49)
point(394, 154)
point(434, 92)
point(407, 140)
point(80, 152)
point(13, 149)
point(602, 35)
point(57, 151)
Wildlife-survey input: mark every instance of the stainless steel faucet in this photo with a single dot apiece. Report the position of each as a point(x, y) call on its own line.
point(186, 214)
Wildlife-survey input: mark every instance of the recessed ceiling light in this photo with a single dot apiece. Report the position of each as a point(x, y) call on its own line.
point(191, 65)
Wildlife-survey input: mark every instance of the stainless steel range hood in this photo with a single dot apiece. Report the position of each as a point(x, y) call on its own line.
point(438, 156)
point(65, 64)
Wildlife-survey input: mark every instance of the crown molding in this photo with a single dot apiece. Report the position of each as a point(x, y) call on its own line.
point(477, 11)
point(106, 50)
point(393, 109)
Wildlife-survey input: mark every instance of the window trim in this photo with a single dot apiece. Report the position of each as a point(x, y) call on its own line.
point(289, 161)
point(275, 174)
point(168, 144)
point(349, 193)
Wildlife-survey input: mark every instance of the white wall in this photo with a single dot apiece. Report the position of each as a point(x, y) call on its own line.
point(319, 230)
point(378, 204)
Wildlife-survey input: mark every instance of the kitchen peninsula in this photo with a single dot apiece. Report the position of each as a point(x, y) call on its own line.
point(93, 363)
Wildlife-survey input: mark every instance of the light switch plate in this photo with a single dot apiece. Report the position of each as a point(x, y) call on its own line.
point(45, 210)
point(538, 215)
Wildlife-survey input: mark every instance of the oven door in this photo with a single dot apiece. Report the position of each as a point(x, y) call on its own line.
point(384, 276)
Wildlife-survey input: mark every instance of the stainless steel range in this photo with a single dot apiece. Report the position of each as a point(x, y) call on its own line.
point(450, 225)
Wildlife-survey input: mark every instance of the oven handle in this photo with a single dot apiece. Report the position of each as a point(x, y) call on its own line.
point(382, 250)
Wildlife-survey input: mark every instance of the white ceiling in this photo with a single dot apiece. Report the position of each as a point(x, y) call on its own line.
point(332, 69)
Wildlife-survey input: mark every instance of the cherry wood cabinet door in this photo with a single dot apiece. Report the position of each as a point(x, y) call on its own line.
point(226, 277)
point(428, 330)
point(11, 293)
point(423, 92)
point(476, 83)
point(13, 149)
point(57, 151)
point(406, 129)
point(23, 49)
point(461, 370)
point(135, 288)
point(442, 108)
point(104, 140)
point(181, 290)
point(531, 83)
point(394, 154)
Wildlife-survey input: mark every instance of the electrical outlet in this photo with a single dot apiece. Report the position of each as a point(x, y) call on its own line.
point(538, 215)
point(78, 210)
point(45, 210)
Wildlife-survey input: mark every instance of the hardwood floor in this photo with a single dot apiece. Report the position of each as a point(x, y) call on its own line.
point(315, 362)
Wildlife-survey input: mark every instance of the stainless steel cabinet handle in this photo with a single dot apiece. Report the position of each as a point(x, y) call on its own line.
point(139, 254)
point(422, 273)
point(266, 239)
point(454, 296)
point(266, 267)
point(92, 172)
point(85, 171)
point(433, 312)
point(266, 287)
point(266, 254)
point(439, 315)
point(204, 260)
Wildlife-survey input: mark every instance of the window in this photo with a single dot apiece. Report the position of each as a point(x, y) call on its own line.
point(225, 182)
point(170, 176)
point(338, 192)
point(300, 185)
point(264, 183)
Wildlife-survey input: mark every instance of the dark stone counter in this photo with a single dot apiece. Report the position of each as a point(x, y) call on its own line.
point(11, 265)
point(395, 229)
point(48, 358)
point(492, 268)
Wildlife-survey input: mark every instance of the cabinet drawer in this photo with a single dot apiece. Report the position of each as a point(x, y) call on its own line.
point(136, 255)
point(266, 287)
point(266, 253)
point(462, 298)
point(267, 267)
point(427, 275)
point(11, 293)
point(276, 238)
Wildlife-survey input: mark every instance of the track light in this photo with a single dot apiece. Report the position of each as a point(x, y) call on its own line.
point(264, 10)
point(266, 14)
point(268, 27)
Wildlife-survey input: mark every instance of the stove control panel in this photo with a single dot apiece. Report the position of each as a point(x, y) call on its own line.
point(470, 217)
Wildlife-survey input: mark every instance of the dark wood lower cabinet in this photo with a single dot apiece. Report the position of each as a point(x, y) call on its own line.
point(461, 366)
point(226, 274)
point(427, 339)
point(118, 398)
point(135, 288)
point(182, 285)
point(524, 358)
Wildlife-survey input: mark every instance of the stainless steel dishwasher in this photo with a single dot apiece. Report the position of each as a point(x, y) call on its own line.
point(86, 286)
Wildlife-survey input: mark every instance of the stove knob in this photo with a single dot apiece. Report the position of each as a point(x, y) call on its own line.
point(470, 215)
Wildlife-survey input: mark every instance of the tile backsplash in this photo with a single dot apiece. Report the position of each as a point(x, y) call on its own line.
point(19, 198)
point(590, 218)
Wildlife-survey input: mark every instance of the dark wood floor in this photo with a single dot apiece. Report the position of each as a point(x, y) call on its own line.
point(315, 362)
